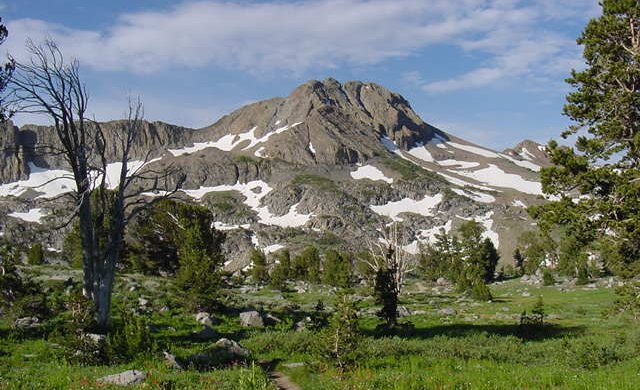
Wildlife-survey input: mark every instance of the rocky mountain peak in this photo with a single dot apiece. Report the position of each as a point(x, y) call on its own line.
point(531, 151)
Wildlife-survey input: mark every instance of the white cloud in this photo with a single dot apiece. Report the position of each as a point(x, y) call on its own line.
point(313, 34)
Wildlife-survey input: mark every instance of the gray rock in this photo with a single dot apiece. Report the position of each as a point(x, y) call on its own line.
point(233, 347)
point(204, 318)
point(403, 311)
point(251, 319)
point(173, 361)
point(271, 319)
point(95, 337)
point(126, 378)
point(447, 311)
point(143, 302)
point(293, 365)
point(27, 322)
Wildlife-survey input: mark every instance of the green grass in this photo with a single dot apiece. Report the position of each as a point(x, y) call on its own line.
point(480, 347)
point(320, 182)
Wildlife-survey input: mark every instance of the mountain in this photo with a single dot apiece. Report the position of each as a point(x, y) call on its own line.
point(329, 164)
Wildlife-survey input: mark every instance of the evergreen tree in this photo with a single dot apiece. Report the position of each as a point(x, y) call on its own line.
point(259, 262)
point(340, 339)
point(281, 271)
point(518, 261)
point(337, 269)
point(386, 294)
point(35, 254)
point(604, 166)
point(306, 266)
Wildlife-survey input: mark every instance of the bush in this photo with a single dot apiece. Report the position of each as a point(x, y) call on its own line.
point(547, 278)
point(481, 292)
point(130, 338)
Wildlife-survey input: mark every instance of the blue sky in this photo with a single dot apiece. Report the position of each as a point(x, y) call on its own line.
point(490, 71)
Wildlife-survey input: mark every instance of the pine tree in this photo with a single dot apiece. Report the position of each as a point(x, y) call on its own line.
point(604, 166)
point(259, 262)
point(337, 269)
point(386, 294)
point(35, 254)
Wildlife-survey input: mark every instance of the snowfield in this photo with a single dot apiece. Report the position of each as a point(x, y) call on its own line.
point(408, 205)
point(474, 150)
point(477, 196)
point(229, 142)
point(495, 176)
point(253, 193)
point(50, 182)
point(33, 215)
point(370, 172)
point(420, 152)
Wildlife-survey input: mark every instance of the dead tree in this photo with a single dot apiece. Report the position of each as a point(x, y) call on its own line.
point(49, 85)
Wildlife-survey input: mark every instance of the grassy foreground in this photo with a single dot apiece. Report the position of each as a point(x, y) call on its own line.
point(453, 343)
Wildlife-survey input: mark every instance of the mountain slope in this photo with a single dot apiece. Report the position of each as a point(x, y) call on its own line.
point(330, 164)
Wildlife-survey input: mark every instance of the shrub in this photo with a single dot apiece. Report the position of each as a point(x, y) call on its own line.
point(129, 338)
point(547, 278)
point(480, 291)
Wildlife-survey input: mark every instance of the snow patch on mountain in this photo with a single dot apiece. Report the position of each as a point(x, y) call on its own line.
point(229, 142)
point(455, 164)
point(408, 205)
point(494, 176)
point(33, 215)
point(370, 172)
point(50, 182)
point(253, 192)
point(420, 152)
point(474, 149)
point(524, 164)
point(477, 196)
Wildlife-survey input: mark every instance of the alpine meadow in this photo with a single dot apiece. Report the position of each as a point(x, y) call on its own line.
point(330, 238)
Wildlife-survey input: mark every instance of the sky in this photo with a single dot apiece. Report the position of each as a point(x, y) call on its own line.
point(489, 71)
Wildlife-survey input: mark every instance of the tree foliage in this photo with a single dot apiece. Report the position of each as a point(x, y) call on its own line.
point(464, 257)
point(598, 180)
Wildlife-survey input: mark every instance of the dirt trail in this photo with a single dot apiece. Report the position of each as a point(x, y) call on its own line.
point(282, 381)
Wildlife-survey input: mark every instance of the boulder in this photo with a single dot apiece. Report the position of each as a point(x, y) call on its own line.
point(27, 322)
point(251, 319)
point(95, 337)
point(447, 311)
point(233, 347)
point(403, 311)
point(173, 361)
point(204, 318)
point(126, 378)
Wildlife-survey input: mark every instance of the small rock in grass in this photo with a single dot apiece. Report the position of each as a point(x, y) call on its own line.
point(447, 311)
point(233, 347)
point(251, 319)
point(126, 378)
point(403, 311)
point(204, 318)
point(173, 361)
